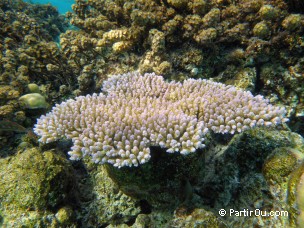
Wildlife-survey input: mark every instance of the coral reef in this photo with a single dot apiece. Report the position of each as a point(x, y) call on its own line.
point(253, 45)
point(181, 39)
point(29, 54)
point(136, 112)
point(198, 40)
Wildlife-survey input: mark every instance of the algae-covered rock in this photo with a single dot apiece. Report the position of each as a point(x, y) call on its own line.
point(33, 101)
point(280, 163)
point(163, 181)
point(32, 185)
point(104, 202)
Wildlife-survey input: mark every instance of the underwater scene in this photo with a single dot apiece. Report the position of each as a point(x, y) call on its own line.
point(156, 113)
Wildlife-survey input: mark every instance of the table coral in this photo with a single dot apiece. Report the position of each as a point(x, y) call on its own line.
point(135, 112)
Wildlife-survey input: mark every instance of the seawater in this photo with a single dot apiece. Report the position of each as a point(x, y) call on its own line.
point(63, 6)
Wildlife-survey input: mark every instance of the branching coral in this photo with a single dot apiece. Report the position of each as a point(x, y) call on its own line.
point(135, 112)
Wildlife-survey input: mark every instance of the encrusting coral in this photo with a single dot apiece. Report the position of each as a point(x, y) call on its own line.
point(135, 112)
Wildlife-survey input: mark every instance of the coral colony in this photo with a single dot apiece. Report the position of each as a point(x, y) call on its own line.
point(135, 112)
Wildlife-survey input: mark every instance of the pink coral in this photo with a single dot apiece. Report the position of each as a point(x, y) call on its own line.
point(135, 112)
